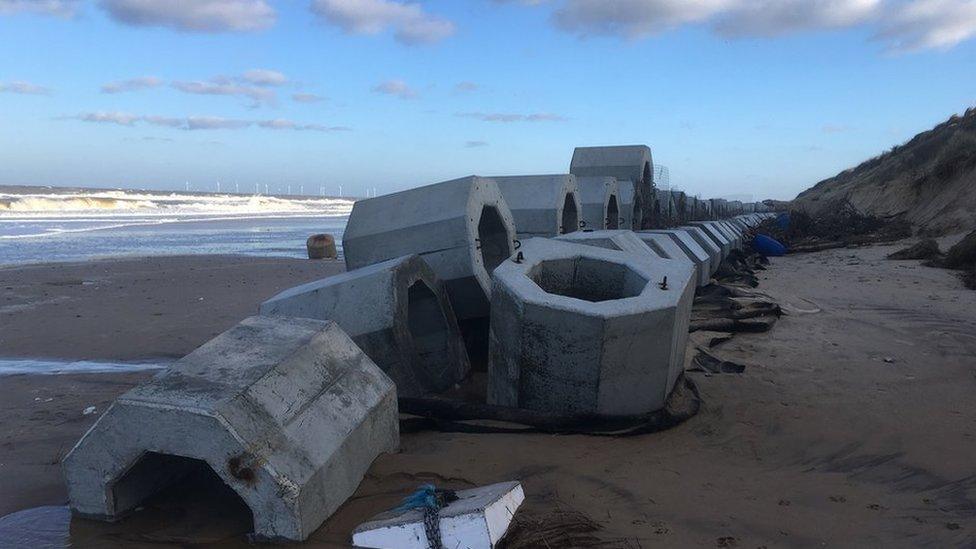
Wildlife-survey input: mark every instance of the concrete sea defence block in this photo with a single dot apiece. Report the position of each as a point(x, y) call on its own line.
point(542, 205)
point(625, 163)
point(288, 412)
point(733, 232)
point(718, 237)
point(692, 250)
point(631, 206)
point(462, 228)
point(601, 207)
point(666, 212)
point(708, 244)
point(399, 314)
point(477, 519)
point(586, 330)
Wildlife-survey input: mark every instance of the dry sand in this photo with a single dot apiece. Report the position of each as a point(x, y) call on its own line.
point(853, 425)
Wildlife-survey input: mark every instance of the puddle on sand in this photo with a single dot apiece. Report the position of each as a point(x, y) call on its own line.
point(199, 511)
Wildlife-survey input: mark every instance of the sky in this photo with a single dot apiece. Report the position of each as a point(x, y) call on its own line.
point(753, 98)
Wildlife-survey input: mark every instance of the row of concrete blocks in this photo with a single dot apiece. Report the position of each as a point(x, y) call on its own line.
point(289, 412)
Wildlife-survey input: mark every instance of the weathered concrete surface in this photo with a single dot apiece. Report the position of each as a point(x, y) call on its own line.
point(288, 412)
point(399, 314)
point(601, 207)
point(622, 240)
point(717, 236)
point(626, 163)
point(462, 228)
point(712, 248)
point(631, 205)
point(692, 250)
point(542, 205)
point(666, 213)
point(731, 231)
point(477, 519)
point(680, 200)
point(583, 329)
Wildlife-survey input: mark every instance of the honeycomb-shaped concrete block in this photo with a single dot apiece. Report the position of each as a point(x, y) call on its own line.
point(690, 250)
point(288, 412)
point(707, 243)
point(399, 314)
point(625, 163)
point(620, 240)
point(542, 205)
point(631, 206)
point(601, 207)
point(718, 236)
point(462, 228)
point(586, 330)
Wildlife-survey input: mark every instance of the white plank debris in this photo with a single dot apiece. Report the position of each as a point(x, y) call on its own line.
point(478, 519)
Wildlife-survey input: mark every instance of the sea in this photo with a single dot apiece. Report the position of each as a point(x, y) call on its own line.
point(45, 224)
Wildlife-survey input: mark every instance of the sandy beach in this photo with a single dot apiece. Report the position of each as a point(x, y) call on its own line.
point(853, 425)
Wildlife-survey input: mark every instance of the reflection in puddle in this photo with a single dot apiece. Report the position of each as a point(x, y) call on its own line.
point(199, 510)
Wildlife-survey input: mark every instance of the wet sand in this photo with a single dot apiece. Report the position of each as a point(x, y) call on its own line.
point(854, 423)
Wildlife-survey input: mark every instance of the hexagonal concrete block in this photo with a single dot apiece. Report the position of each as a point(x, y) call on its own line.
point(287, 412)
point(692, 250)
point(542, 205)
point(717, 236)
point(462, 228)
point(631, 206)
point(712, 248)
point(585, 330)
point(397, 312)
point(621, 240)
point(625, 163)
point(601, 207)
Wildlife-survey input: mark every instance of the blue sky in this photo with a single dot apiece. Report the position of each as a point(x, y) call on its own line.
point(762, 98)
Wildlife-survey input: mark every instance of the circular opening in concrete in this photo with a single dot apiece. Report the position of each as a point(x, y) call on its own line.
point(638, 219)
point(428, 329)
point(570, 220)
point(183, 496)
point(613, 213)
point(496, 244)
point(588, 279)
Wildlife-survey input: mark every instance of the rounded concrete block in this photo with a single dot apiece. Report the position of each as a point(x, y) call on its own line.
point(542, 205)
point(399, 314)
point(289, 413)
point(631, 206)
point(462, 228)
point(579, 329)
point(601, 205)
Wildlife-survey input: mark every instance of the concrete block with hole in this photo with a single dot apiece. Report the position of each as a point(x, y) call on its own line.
point(730, 231)
point(542, 205)
point(631, 206)
point(600, 205)
point(708, 244)
point(625, 163)
point(718, 237)
point(399, 314)
point(462, 228)
point(288, 412)
point(691, 250)
point(666, 209)
point(579, 329)
point(621, 240)
point(680, 200)
point(666, 248)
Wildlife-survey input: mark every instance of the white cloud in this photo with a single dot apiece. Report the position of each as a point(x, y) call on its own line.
point(466, 86)
point(397, 88)
point(23, 88)
point(307, 97)
point(55, 8)
point(132, 84)
point(409, 22)
point(475, 144)
point(220, 86)
point(264, 77)
point(513, 117)
point(191, 123)
point(906, 25)
point(923, 24)
point(194, 15)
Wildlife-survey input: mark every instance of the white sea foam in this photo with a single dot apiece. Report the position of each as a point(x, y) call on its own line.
point(59, 367)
